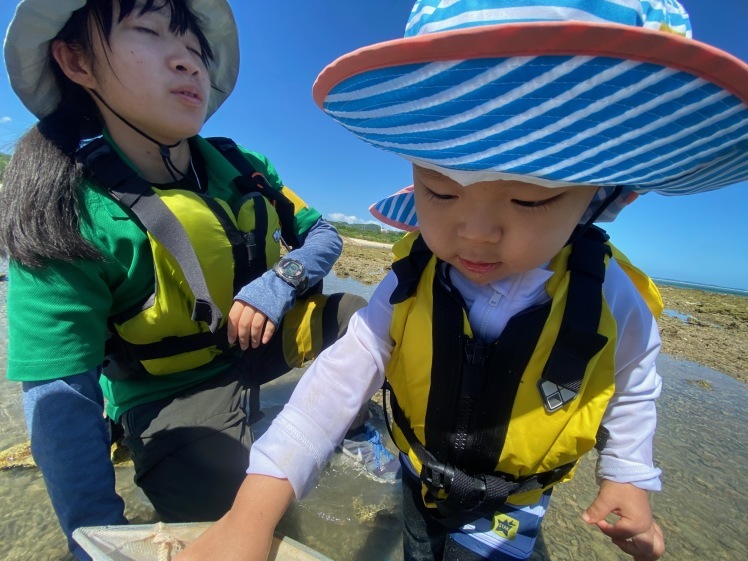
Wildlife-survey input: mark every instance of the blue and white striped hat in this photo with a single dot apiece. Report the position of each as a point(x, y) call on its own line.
point(573, 92)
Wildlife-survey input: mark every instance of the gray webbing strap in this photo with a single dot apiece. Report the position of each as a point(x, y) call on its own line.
point(163, 225)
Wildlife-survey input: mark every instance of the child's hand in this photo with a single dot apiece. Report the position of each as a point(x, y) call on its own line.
point(245, 533)
point(636, 532)
point(249, 325)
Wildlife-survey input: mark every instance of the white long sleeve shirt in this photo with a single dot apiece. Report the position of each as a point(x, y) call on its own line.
point(303, 436)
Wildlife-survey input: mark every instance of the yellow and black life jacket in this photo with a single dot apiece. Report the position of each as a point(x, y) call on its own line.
point(204, 252)
point(483, 423)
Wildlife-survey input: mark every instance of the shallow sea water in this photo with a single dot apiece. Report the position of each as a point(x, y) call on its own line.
point(701, 446)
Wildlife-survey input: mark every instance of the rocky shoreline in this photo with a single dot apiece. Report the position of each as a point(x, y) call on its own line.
point(707, 328)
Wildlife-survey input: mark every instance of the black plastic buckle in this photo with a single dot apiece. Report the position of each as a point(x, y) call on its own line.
point(437, 476)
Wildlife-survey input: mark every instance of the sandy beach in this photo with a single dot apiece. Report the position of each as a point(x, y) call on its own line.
point(703, 327)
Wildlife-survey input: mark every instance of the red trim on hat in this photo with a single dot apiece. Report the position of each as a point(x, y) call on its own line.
point(544, 38)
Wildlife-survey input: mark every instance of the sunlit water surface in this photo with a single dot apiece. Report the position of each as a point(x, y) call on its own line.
point(701, 446)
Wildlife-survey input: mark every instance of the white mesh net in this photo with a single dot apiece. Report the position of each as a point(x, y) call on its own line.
point(161, 542)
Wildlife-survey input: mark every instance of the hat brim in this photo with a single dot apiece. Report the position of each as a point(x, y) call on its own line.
point(622, 105)
point(37, 22)
point(398, 210)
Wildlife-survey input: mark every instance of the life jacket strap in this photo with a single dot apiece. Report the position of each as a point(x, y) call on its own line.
point(251, 180)
point(131, 354)
point(248, 248)
point(457, 493)
point(409, 269)
point(578, 339)
point(136, 194)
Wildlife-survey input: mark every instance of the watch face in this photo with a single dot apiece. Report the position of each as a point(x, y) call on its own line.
point(292, 269)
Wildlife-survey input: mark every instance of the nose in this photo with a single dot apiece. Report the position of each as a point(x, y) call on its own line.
point(482, 225)
point(184, 60)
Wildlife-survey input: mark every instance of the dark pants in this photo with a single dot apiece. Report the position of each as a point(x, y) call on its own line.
point(191, 451)
point(424, 537)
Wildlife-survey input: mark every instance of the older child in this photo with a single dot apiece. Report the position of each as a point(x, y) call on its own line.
point(143, 252)
point(514, 336)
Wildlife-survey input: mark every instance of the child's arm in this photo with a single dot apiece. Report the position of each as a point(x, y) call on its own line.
point(245, 533)
point(626, 469)
point(635, 532)
point(286, 460)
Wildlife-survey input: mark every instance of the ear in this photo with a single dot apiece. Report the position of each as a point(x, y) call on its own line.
point(74, 64)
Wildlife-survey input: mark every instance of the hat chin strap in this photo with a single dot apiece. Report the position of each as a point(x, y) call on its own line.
point(163, 149)
point(579, 230)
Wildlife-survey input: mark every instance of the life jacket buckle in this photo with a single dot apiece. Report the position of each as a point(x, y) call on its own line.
point(437, 476)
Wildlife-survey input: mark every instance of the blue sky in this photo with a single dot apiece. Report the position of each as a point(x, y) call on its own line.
point(285, 44)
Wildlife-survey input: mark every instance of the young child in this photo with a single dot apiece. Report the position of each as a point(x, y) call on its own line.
point(513, 335)
point(146, 253)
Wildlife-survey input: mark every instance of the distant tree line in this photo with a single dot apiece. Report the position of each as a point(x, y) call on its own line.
point(353, 231)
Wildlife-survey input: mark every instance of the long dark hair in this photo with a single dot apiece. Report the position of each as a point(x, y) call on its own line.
point(39, 201)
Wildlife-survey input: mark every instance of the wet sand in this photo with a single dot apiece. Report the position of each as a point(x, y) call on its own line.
point(703, 327)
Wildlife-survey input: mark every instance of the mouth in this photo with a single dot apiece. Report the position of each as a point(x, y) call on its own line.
point(479, 267)
point(188, 94)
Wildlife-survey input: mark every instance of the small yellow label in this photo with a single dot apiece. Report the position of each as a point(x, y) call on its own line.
point(505, 526)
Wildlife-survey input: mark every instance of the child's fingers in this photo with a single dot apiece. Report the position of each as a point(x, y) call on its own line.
point(623, 529)
point(648, 546)
point(597, 511)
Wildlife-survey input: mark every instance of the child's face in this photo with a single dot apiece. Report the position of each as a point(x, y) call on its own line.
point(494, 229)
point(154, 78)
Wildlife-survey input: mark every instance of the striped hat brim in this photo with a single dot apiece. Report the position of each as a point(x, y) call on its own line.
point(553, 103)
point(398, 210)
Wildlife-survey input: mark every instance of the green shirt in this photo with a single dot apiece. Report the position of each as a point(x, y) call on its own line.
point(58, 314)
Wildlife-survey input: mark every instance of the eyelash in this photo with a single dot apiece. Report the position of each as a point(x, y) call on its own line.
point(436, 197)
point(532, 206)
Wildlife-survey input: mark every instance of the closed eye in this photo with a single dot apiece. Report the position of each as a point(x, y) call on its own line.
point(147, 30)
point(542, 204)
point(437, 196)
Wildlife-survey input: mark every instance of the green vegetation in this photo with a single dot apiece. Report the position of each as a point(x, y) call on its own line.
point(350, 231)
point(3, 162)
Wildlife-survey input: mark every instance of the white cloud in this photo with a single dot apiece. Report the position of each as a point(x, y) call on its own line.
point(340, 217)
point(4, 120)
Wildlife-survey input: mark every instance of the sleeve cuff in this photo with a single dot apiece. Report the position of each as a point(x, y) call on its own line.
point(302, 458)
point(621, 471)
point(269, 294)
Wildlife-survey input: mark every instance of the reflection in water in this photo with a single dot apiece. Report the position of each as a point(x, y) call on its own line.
point(701, 446)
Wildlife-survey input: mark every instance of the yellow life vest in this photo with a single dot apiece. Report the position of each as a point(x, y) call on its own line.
point(168, 314)
point(507, 430)
point(204, 251)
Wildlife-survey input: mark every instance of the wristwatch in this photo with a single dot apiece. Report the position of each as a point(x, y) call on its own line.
point(292, 272)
